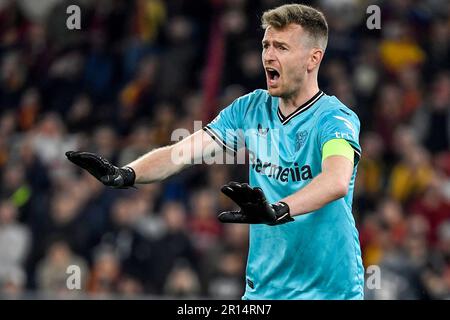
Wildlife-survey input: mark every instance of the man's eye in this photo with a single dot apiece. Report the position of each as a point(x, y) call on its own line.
point(282, 48)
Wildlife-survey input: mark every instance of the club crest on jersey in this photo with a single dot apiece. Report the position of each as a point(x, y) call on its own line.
point(300, 139)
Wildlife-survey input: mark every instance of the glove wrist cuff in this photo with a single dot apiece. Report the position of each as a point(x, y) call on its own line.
point(281, 207)
point(282, 211)
point(129, 176)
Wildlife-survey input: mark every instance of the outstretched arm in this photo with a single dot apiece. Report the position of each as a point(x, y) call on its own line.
point(166, 161)
point(154, 166)
point(331, 184)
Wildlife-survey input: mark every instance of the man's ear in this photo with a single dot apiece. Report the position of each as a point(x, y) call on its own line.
point(315, 58)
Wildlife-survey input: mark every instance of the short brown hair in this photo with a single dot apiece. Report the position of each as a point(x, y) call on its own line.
point(312, 21)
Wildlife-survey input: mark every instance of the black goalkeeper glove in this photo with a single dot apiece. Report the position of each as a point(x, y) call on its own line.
point(254, 206)
point(102, 169)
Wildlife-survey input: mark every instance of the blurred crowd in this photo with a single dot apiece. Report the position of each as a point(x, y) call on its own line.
point(137, 70)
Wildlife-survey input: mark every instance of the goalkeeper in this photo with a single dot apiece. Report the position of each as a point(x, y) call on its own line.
point(303, 239)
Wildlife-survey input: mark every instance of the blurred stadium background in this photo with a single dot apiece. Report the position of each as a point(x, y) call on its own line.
point(139, 69)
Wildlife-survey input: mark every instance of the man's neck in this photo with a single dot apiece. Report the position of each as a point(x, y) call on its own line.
point(290, 104)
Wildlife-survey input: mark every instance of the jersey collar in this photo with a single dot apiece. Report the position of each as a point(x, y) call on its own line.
point(308, 104)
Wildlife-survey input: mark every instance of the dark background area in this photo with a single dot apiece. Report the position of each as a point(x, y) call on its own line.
point(139, 69)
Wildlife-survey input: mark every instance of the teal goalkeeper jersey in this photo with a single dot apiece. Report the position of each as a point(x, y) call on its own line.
point(318, 255)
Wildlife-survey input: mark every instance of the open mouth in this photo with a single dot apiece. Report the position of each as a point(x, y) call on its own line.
point(272, 74)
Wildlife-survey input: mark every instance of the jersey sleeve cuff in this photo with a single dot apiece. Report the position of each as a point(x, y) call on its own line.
point(219, 141)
